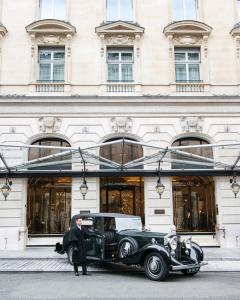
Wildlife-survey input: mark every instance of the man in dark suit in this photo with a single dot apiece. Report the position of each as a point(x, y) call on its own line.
point(77, 236)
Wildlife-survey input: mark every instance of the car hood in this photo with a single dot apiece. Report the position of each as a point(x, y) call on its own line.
point(146, 234)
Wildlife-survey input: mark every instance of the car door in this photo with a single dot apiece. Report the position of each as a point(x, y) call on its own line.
point(94, 245)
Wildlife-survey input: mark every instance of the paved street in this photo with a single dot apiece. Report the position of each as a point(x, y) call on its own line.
point(123, 285)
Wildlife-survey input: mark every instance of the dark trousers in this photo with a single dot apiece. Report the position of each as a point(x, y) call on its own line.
point(84, 268)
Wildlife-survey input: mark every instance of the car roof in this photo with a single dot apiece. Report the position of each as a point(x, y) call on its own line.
point(105, 215)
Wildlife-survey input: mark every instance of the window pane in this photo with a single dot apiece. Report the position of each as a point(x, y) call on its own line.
point(127, 56)
point(127, 72)
point(46, 9)
point(59, 9)
point(180, 56)
point(113, 72)
point(194, 72)
point(113, 56)
point(59, 55)
point(58, 72)
point(45, 72)
point(126, 10)
point(193, 56)
point(177, 8)
point(191, 9)
point(112, 10)
point(45, 55)
point(181, 73)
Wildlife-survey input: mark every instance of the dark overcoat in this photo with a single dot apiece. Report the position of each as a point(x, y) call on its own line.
point(77, 238)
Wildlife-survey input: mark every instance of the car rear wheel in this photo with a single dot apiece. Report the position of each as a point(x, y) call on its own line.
point(70, 254)
point(155, 267)
point(127, 246)
point(191, 272)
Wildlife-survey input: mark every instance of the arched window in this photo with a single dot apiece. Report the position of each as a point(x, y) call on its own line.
point(192, 141)
point(118, 154)
point(35, 153)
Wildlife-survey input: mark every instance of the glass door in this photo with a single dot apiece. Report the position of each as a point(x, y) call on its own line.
point(49, 205)
point(194, 204)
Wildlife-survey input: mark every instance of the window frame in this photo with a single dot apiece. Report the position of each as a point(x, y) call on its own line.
point(238, 10)
point(53, 13)
point(52, 62)
point(184, 11)
point(187, 62)
point(120, 62)
point(119, 10)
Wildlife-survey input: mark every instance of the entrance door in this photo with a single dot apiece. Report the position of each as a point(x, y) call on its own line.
point(122, 195)
point(49, 205)
point(194, 204)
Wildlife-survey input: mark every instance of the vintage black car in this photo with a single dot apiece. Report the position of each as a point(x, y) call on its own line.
point(120, 238)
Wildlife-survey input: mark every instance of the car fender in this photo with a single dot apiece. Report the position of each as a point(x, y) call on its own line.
point(139, 256)
point(199, 256)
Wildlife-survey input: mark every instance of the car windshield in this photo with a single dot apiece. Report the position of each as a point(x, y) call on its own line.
point(128, 224)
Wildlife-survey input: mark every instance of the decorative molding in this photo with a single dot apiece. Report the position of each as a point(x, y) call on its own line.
point(120, 40)
point(121, 124)
point(235, 32)
point(187, 33)
point(49, 124)
point(50, 32)
point(191, 124)
point(3, 31)
point(119, 33)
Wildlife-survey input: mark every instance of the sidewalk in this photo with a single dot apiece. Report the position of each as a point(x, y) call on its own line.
point(46, 260)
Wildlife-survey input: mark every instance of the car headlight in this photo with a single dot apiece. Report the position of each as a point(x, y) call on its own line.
point(188, 243)
point(173, 242)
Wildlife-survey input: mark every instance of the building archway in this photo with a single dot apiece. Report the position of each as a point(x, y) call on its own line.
point(122, 194)
point(194, 206)
point(49, 198)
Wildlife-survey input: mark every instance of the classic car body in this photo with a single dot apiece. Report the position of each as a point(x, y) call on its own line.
point(120, 238)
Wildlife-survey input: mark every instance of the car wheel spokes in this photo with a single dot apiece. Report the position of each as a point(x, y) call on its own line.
point(154, 265)
point(126, 249)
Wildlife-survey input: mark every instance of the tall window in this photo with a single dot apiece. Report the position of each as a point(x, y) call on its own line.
point(184, 10)
point(120, 10)
point(187, 64)
point(51, 64)
point(53, 9)
point(120, 64)
point(238, 9)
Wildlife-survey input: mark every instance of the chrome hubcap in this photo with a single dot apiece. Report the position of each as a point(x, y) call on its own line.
point(154, 265)
point(126, 249)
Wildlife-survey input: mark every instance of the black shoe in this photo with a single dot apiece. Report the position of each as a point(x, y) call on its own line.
point(87, 274)
point(76, 274)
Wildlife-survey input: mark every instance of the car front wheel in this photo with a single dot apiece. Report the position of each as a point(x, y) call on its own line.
point(70, 254)
point(155, 267)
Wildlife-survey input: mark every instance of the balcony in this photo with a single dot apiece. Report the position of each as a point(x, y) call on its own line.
point(49, 87)
point(190, 86)
point(121, 88)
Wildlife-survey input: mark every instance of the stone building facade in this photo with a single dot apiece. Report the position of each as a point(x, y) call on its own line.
point(80, 73)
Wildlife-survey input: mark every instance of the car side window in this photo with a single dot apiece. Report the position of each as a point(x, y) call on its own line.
point(109, 224)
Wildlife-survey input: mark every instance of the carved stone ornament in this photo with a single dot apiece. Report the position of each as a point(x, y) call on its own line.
point(121, 124)
point(187, 40)
point(118, 40)
point(192, 124)
point(50, 39)
point(49, 124)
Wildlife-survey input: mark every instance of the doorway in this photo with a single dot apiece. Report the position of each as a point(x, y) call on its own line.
point(49, 205)
point(122, 195)
point(194, 204)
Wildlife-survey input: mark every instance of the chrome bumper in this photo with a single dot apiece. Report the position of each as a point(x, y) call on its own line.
point(187, 267)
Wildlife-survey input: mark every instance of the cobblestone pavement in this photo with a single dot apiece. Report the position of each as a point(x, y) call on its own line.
point(62, 265)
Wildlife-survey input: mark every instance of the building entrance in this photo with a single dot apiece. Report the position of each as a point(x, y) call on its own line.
point(122, 195)
point(49, 205)
point(194, 204)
